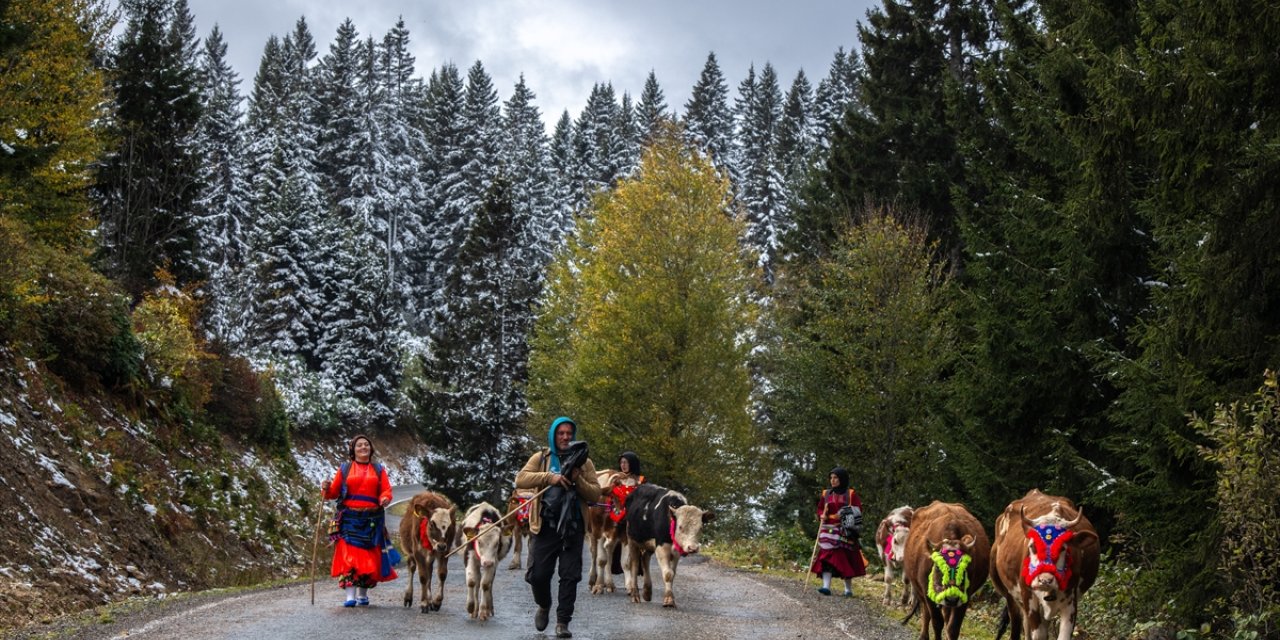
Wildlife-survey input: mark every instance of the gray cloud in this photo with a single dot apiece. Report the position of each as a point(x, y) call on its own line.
point(566, 46)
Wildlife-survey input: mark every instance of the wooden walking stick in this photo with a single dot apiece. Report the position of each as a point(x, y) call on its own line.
point(315, 548)
point(814, 556)
point(487, 529)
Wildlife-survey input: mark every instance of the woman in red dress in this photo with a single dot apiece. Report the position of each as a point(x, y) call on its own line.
point(360, 560)
point(837, 554)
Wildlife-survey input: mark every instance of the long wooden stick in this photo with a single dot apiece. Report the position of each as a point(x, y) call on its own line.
point(315, 548)
point(487, 529)
point(814, 556)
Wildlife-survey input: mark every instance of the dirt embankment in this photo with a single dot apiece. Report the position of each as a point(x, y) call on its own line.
point(108, 501)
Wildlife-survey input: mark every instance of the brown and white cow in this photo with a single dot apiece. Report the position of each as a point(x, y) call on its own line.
point(1045, 557)
point(427, 531)
point(946, 561)
point(606, 530)
point(662, 522)
point(486, 545)
point(519, 527)
point(891, 543)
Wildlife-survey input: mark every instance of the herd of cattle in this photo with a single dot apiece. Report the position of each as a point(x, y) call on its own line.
point(1044, 556)
point(658, 521)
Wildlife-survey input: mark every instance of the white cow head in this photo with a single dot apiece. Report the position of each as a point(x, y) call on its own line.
point(687, 524)
point(1051, 543)
point(439, 528)
point(486, 541)
point(897, 542)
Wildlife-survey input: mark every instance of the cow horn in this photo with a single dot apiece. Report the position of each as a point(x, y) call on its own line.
point(417, 511)
point(968, 541)
point(1071, 523)
point(1026, 522)
point(933, 546)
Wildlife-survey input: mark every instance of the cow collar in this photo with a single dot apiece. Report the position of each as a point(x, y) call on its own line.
point(888, 541)
point(1050, 541)
point(952, 563)
point(475, 542)
point(674, 543)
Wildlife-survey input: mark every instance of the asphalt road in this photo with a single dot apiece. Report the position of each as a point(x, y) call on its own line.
point(713, 602)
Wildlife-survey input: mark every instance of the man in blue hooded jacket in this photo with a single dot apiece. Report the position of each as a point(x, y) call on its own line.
point(560, 541)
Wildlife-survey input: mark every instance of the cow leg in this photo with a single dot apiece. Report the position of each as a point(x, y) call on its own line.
point(908, 594)
point(935, 622)
point(471, 570)
point(518, 536)
point(648, 576)
point(408, 591)
point(606, 560)
point(667, 562)
point(633, 570)
point(486, 592)
point(425, 561)
point(593, 540)
point(954, 620)
point(927, 614)
point(888, 581)
point(1067, 620)
point(442, 572)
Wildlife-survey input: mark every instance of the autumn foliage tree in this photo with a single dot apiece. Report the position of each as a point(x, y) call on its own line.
point(640, 334)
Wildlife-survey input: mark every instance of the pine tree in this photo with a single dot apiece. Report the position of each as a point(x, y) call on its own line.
point(147, 185)
point(598, 145)
point(837, 93)
point(628, 152)
point(474, 408)
point(50, 96)
point(708, 123)
point(652, 109)
point(338, 115)
point(758, 169)
point(222, 207)
point(563, 162)
point(526, 155)
point(399, 117)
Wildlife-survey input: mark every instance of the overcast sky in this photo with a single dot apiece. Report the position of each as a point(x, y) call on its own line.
point(563, 47)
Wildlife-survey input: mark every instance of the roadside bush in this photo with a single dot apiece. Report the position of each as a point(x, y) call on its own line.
point(164, 324)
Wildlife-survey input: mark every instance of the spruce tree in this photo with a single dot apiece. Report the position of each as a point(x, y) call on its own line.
point(837, 93)
point(223, 204)
point(147, 185)
point(652, 109)
point(760, 181)
point(708, 122)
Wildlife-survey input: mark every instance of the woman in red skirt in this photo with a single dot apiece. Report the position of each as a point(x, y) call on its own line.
point(837, 555)
point(360, 555)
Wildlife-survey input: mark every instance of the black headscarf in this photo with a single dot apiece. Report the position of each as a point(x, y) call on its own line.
point(843, 477)
point(633, 461)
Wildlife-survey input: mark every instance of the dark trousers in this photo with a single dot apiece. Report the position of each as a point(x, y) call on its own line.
point(546, 550)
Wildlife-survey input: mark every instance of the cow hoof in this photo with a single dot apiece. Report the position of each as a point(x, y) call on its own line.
point(471, 609)
point(426, 608)
point(513, 566)
point(408, 602)
point(435, 606)
point(669, 604)
point(648, 595)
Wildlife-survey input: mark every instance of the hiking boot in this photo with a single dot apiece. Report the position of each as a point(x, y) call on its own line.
point(562, 631)
point(824, 591)
point(540, 618)
point(362, 602)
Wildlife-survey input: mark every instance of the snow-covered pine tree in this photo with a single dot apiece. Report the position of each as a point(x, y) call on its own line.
point(289, 285)
point(338, 115)
point(796, 143)
point(597, 145)
point(481, 128)
point(444, 219)
point(358, 344)
point(837, 93)
point(628, 152)
point(222, 206)
point(563, 163)
point(525, 154)
point(404, 148)
point(473, 407)
point(708, 123)
point(760, 187)
point(147, 186)
point(652, 108)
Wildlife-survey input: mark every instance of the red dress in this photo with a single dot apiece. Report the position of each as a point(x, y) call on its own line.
point(362, 480)
point(840, 555)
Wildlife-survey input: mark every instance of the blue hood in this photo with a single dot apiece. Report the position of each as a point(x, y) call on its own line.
point(551, 440)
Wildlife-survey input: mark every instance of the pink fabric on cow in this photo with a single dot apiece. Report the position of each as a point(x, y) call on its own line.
point(836, 553)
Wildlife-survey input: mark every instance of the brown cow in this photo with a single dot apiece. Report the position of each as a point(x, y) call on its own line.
point(1044, 558)
point(946, 561)
point(604, 534)
point(519, 523)
point(891, 544)
point(427, 531)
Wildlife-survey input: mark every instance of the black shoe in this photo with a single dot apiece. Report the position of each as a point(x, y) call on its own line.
point(562, 631)
point(540, 618)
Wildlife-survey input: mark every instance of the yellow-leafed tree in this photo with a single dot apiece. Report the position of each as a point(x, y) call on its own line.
point(641, 338)
point(51, 97)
